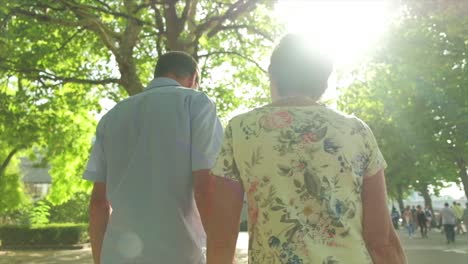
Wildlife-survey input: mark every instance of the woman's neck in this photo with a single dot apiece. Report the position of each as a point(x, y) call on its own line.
point(298, 100)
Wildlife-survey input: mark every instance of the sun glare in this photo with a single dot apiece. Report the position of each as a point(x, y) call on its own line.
point(347, 29)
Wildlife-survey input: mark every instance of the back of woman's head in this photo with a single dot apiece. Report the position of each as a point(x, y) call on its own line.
point(299, 69)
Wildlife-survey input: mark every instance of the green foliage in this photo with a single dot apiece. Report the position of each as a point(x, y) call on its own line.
point(413, 94)
point(43, 235)
point(74, 210)
point(12, 193)
point(11, 187)
point(59, 59)
point(39, 214)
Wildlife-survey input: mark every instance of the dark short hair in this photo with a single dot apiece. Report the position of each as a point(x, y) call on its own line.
point(446, 204)
point(179, 63)
point(296, 68)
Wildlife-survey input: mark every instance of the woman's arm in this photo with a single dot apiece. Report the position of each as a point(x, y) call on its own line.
point(380, 237)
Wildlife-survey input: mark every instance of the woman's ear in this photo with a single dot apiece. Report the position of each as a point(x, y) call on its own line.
point(274, 93)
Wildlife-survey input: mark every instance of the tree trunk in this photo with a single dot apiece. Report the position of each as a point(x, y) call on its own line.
point(427, 197)
point(7, 161)
point(461, 163)
point(129, 77)
point(401, 205)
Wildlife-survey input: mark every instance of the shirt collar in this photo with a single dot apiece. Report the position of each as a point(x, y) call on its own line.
point(162, 82)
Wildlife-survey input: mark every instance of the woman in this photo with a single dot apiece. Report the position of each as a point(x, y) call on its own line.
point(428, 211)
point(313, 176)
point(409, 221)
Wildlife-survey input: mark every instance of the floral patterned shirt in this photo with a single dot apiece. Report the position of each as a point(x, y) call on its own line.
point(302, 169)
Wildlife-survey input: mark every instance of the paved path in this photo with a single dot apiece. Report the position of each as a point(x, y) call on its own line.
point(420, 251)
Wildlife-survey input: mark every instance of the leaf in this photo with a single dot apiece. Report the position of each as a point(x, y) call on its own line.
point(278, 200)
point(297, 183)
point(337, 223)
point(312, 183)
point(283, 170)
point(321, 133)
point(277, 208)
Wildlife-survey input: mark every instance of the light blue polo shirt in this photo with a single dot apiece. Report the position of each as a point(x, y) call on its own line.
point(145, 151)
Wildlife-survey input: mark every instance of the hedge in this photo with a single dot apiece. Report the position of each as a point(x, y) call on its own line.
point(43, 235)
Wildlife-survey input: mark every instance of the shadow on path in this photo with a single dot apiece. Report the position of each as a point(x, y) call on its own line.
point(420, 251)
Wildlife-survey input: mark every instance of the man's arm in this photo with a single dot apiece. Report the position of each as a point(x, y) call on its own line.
point(99, 211)
point(219, 201)
point(379, 235)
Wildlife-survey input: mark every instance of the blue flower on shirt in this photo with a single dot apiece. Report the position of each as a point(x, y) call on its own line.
point(330, 147)
point(360, 163)
point(274, 242)
point(295, 260)
point(339, 207)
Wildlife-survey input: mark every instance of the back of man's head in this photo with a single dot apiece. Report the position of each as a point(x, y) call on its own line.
point(298, 69)
point(177, 64)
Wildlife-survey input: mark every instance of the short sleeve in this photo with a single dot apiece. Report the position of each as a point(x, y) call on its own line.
point(96, 168)
point(206, 131)
point(376, 161)
point(225, 165)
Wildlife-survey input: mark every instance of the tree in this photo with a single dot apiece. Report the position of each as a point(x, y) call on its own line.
point(52, 129)
point(59, 58)
point(11, 189)
point(414, 93)
point(92, 37)
point(436, 38)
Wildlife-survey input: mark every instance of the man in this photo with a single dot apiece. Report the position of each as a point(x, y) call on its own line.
point(448, 220)
point(458, 210)
point(465, 217)
point(395, 218)
point(142, 207)
point(422, 221)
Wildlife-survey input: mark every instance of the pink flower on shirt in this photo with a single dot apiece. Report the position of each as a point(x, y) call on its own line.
point(309, 138)
point(277, 120)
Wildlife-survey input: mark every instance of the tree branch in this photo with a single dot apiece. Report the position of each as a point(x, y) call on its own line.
point(7, 161)
point(108, 10)
point(172, 24)
point(235, 53)
point(236, 10)
point(160, 26)
point(48, 76)
point(65, 43)
point(250, 28)
point(48, 19)
point(93, 23)
point(189, 12)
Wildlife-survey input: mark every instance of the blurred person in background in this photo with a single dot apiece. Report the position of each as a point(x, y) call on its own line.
point(422, 221)
point(448, 221)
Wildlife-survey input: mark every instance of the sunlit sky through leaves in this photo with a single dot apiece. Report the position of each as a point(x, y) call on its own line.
point(346, 29)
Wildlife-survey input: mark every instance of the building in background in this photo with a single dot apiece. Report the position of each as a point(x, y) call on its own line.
point(36, 178)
